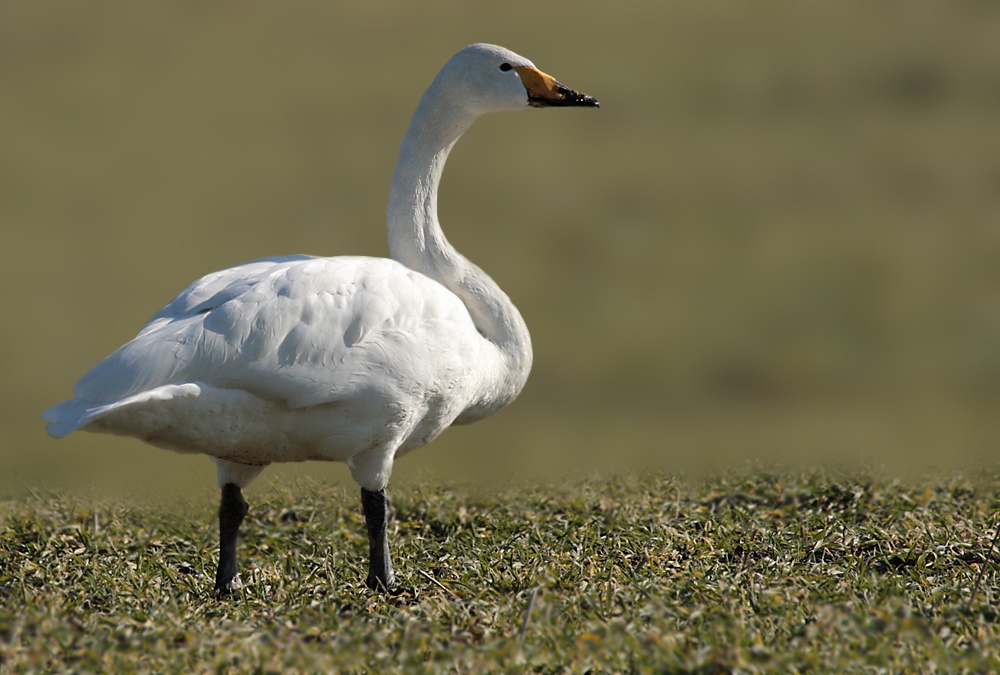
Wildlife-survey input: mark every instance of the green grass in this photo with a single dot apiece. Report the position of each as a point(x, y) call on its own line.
point(764, 571)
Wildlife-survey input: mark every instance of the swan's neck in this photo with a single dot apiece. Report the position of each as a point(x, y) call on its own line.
point(417, 241)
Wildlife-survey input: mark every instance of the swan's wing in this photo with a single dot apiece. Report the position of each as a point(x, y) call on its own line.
point(216, 288)
point(304, 330)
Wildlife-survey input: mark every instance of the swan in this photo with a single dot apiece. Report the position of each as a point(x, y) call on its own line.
point(350, 359)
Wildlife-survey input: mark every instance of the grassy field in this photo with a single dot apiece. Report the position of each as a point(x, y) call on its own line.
point(761, 571)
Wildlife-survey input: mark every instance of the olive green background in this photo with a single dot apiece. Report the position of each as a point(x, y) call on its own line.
point(778, 238)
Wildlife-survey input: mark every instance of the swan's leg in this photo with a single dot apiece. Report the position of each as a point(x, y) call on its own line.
point(232, 509)
point(233, 477)
point(380, 576)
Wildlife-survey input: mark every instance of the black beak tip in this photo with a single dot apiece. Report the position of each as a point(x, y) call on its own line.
point(568, 99)
point(575, 98)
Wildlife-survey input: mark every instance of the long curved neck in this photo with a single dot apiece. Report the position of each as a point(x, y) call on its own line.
point(417, 241)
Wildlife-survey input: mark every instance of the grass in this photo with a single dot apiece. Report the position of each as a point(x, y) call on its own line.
point(762, 571)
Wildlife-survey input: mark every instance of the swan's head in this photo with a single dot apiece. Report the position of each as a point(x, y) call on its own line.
point(486, 78)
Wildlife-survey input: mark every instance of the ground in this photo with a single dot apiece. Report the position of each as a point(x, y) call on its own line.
point(760, 571)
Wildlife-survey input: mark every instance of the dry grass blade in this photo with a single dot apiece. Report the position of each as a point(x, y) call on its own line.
point(527, 615)
point(982, 570)
point(438, 584)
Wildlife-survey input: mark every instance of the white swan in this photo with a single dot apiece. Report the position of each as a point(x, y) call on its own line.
point(349, 359)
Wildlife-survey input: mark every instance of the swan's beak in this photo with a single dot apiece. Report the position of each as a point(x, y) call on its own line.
point(544, 91)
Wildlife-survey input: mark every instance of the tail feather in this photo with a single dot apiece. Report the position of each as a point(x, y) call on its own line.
point(68, 416)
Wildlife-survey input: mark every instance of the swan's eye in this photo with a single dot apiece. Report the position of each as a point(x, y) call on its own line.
point(505, 67)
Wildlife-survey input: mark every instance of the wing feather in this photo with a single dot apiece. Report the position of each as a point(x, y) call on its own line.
point(299, 329)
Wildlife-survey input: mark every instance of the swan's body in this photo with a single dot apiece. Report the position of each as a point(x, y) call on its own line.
point(298, 358)
point(348, 359)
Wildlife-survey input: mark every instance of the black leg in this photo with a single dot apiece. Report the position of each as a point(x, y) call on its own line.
point(231, 512)
point(380, 577)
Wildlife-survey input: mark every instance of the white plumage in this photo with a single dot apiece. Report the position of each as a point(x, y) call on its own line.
point(348, 359)
point(292, 359)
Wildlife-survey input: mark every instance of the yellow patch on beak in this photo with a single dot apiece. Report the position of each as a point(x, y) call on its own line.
point(544, 90)
point(538, 84)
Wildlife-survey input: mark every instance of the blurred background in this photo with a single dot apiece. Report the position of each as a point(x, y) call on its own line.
point(778, 238)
